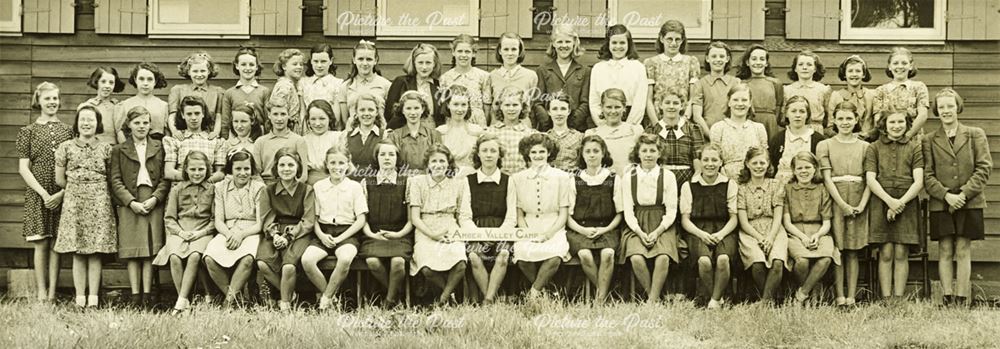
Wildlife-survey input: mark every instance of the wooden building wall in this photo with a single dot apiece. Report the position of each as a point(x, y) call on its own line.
point(971, 67)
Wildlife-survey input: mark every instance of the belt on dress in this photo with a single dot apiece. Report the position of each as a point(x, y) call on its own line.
point(847, 178)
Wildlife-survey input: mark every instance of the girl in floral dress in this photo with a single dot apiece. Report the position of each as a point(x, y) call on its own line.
point(466, 74)
point(902, 94)
point(737, 132)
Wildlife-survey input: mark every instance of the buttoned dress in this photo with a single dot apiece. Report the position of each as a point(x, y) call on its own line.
point(239, 209)
point(809, 205)
point(540, 194)
point(848, 175)
point(443, 206)
point(759, 201)
point(893, 163)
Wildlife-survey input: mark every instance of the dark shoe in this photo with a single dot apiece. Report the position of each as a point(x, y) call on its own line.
point(960, 302)
point(134, 301)
point(947, 300)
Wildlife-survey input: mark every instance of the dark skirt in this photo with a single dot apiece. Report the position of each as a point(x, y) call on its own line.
point(729, 245)
point(649, 218)
point(903, 230)
point(488, 251)
point(335, 230)
point(966, 223)
point(276, 258)
point(577, 241)
point(140, 236)
point(402, 247)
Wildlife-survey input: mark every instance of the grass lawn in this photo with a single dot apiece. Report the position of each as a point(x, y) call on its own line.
point(544, 323)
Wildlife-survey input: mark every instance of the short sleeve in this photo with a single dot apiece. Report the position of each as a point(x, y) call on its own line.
point(617, 193)
point(61, 154)
point(413, 192)
point(787, 198)
point(761, 134)
point(220, 152)
point(567, 191)
point(871, 159)
point(23, 144)
point(694, 69)
point(778, 194)
point(684, 200)
point(360, 202)
point(715, 133)
point(650, 70)
point(174, 98)
point(826, 205)
point(170, 148)
point(741, 198)
point(823, 155)
point(698, 94)
point(731, 193)
point(923, 97)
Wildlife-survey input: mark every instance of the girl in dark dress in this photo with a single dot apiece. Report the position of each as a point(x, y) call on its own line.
point(596, 215)
point(488, 189)
point(388, 228)
point(365, 130)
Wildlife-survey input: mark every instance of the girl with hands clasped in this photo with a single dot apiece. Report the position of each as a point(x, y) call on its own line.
point(894, 169)
point(958, 168)
point(763, 242)
point(488, 188)
point(388, 228)
point(808, 210)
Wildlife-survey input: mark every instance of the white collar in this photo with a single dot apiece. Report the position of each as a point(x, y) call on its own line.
point(678, 133)
point(357, 130)
point(721, 178)
point(679, 57)
point(790, 137)
point(482, 177)
point(653, 172)
point(597, 179)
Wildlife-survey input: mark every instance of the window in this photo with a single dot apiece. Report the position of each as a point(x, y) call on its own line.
point(906, 20)
point(221, 18)
point(10, 17)
point(427, 18)
point(644, 17)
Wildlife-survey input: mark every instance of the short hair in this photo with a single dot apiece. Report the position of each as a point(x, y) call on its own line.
point(525, 144)
point(740, 87)
point(464, 39)
point(901, 51)
point(744, 72)
point(618, 29)
point(559, 96)
point(283, 58)
point(849, 107)
point(508, 92)
point(672, 25)
point(387, 142)
point(239, 155)
point(334, 150)
point(440, 148)
point(76, 120)
point(729, 53)
point(95, 77)
point(208, 120)
point(820, 70)
point(184, 68)
point(320, 48)
point(161, 81)
point(327, 109)
point(788, 104)
point(196, 155)
point(565, 30)
point(673, 91)
point(379, 107)
point(256, 118)
point(646, 139)
point(854, 59)
point(273, 103)
point(947, 92)
point(520, 47)
point(289, 152)
point(753, 152)
point(606, 160)
point(409, 67)
point(883, 121)
point(133, 114)
point(245, 50)
point(486, 137)
point(711, 146)
point(807, 156)
point(412, 95)
point(45, 86)
point(455, 90)
point(614, 94)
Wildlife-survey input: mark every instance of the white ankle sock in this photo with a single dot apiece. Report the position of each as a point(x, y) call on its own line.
point(81, 301)
point(92, 301)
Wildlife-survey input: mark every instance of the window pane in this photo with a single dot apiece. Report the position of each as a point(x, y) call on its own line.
point(199, 12)
point(893, 14)
point(437, 13)
point(646, 13)
point(6, 10)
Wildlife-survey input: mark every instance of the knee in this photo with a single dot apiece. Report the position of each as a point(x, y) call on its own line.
point(901, 254)
point(502, 258)
point(459, 267)
point(722, 260)
point(885, 255)
point(776, 267)
point(346, 253)
point(288, 269)
point(637, 261)
point(373, 263)
point(704, 263)
point(194, 257)
point(263, 266)
point(801, 263)
point(585, 256)
point(825, 261)
point(662, 260)
point(607, 255)
point(245, 262)
point(962, 252)
point(397, 264)
point(174, 259)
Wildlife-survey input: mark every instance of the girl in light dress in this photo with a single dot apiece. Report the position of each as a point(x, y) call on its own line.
point(902, 94)
point(465, 73)
point(198, 68)
point(322, 133)
point(760, 208)
point(619, 135)
point(619, 69)
point(321, 80)
point(289, 67)
point(459, 133)
point(806, 73)
point(738, 132)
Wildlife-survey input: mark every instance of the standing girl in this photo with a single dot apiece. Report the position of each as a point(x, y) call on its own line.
point(145, 77)
point(198, 68)
point(902, 95)
point(189, 226)
point(192, 132)
point(854, 71)
point(844, 178)
point(672, 68)
point(538, 200)
point(737, 133)
point(466, 74)
point(289, 68)
point(596, 214)
point(566, 138)
point(488, 190)
point(387, 227)
point(708, 94)
point(798, 137)
point(439, 206)
point(563, 73)
point(248, 90)
point(244, 122)
point(364, 78)
point(36, 145)
point(510, 52)
point(620, 69)
point(894, 169)
point(288, 209)
point(364, 132)
point(511, 124)
point(414, 137)
point(420, 74)
point(649, 200)
point(620, 136)
point(230, 254)
point(763, 242)
point(322, 133)
point(321, 80)
point(768, 93)
point(459, 133)
point(806, 73)
point(341, 210)
point(140, 190)
point(681, 138)
point(105, 80)
point(807, 221)
point(281, 136)
point(957, 191)
point(87, 225)
point(708, 214)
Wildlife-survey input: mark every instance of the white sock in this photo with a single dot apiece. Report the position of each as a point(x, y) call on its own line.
point(92, 301)
point(81, 301)
point(182, 303)
point(324, 302)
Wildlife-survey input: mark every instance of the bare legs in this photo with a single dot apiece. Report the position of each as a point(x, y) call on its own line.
point(489, 280)
point(599, 275)
point(652, 284)
point(957, 249)
point(87, 278)
point(46, 263)
point(391, 279)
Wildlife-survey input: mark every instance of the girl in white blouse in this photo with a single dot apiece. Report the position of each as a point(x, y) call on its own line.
point(619, 68)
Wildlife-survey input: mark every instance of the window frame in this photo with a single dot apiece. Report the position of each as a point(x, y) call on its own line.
point(200, 30)
point(643, 33)
point(936, 35)
point(14, 26)
point(387, 28)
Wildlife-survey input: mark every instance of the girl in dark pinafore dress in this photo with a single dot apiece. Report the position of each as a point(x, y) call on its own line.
point(596, 215)
point(387, 232)
point(488, 189)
